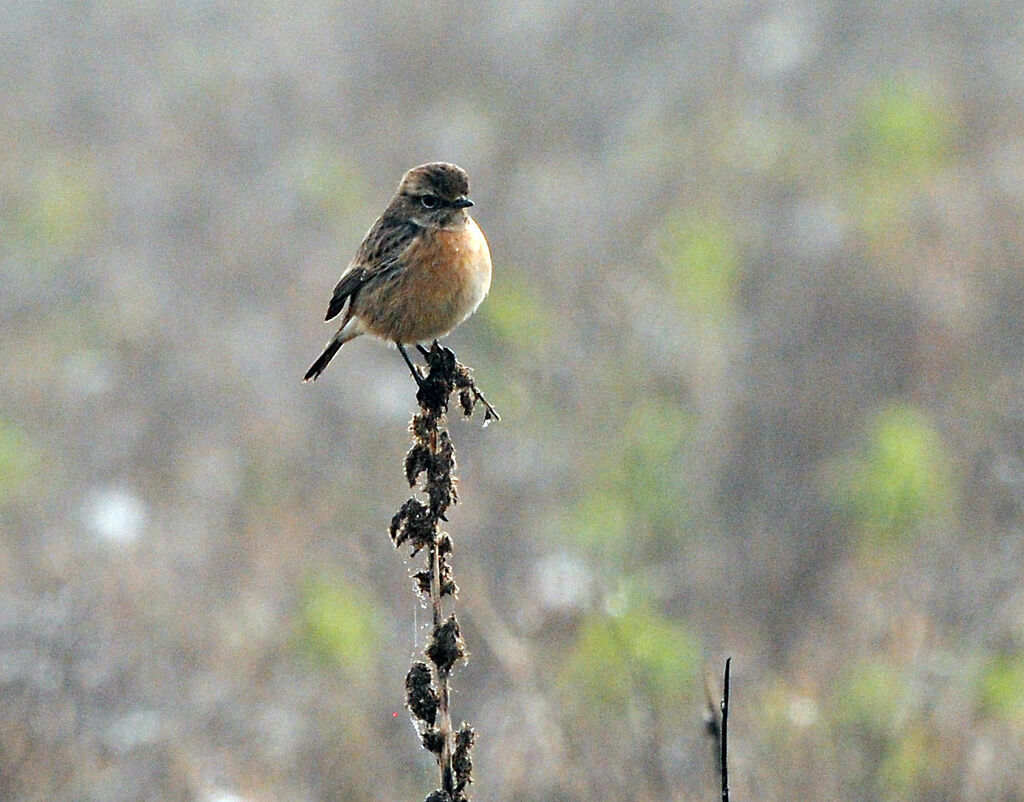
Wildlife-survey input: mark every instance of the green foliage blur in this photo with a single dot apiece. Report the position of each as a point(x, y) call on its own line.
point(59, 210)
point(19, 462)
point(901, 140)
point(520, 319)
point(1001, 688)
point(702, 258)
point(871, 699)
point(897, 483)
point(634, 503)
point(339, 626)
point(636, 657)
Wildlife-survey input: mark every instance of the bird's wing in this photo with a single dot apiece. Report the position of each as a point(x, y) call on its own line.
point(380, 255)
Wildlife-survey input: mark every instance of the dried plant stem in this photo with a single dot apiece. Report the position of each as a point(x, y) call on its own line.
point(717, 725)
point(725, 732)
point(444, 725)
point(418, 525)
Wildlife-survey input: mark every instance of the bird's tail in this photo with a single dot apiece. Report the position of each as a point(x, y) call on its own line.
point(318, 367)
point(349, 330)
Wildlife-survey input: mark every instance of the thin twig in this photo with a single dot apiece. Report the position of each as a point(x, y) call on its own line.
point(725, 733)
point(716, 723)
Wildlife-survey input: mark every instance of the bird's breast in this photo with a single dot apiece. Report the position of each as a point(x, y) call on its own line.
point(451, 267)
point(445, 275)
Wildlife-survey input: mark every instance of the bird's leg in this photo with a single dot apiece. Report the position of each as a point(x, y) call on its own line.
point(412, 368)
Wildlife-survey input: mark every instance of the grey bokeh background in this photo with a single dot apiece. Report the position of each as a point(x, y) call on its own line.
point(755, 333)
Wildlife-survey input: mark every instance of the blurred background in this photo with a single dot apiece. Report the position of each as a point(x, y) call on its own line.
point(755, 332)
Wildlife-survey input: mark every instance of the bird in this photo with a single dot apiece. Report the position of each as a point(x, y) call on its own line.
point(422, 268)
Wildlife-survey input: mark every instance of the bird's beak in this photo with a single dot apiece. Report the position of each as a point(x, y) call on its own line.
point(462, 203)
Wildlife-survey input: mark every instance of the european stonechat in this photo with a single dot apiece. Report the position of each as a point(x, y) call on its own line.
point(423, 267)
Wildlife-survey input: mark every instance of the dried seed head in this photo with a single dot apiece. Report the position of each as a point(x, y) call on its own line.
point(462, 762)
point(420, 696)
point(432, 740)
point(446, 646)
point(412, 524)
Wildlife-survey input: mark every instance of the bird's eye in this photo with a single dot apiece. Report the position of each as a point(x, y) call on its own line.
point(429, 201)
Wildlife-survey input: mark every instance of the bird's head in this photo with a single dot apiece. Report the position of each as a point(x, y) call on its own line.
point(433, 195)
